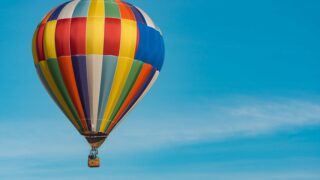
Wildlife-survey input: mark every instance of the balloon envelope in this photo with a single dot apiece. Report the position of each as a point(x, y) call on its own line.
point(97, 59)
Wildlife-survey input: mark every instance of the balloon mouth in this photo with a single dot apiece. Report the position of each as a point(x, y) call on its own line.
point(95, 139)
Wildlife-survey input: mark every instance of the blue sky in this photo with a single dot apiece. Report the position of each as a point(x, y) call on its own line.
point(238, 98)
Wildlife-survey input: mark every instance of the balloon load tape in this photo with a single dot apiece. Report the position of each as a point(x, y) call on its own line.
point(95, 139)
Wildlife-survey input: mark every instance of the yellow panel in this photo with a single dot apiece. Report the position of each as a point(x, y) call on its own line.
point(119, 80)
point(49, 40)
point(47, 75)
point(34, 49)
point(96, 8)
point(153, 80)
point(95, 35)
point(128, 38)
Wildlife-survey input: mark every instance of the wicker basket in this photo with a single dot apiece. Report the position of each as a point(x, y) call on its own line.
point(94, 163)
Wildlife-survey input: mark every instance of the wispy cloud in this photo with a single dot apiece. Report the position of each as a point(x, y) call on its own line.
point(240, 117)
point(213, 121)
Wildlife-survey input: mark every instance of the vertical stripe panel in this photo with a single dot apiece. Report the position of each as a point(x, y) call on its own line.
point(142, 49)
point(34, 47)
point(78, 36)
point(56, 12)
point(112, 35)
point(147, 18)
point(39, 43)
point(138, 85)
point(128, 38)
point(58, 80)
point(47, 75)
point(139, 98)
point(49, 40)
point(81, 9)
point(137, 41)
point(153, 80)
point(108, 71)
point(150, 47)
point(94, 69)
point(96, 9)
point(80, 71)
point(154, 49)
point(55, 99)
point(125, 11)
point(134, 72)
point(112, 10)
point(137, 14)
point(121, 75)
point(47, 87)
point(46, 18)
point(141, 90)
point(95, 35)
point(68, 10)
point(63, 37)
point(65, 64)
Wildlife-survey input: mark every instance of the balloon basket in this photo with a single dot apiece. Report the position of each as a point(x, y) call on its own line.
point(93, 159)
point(94, 163)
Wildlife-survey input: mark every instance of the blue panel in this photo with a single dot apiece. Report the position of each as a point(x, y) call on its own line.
point(159, 52)
point(142, 45)
point(108, 70)
point(153, 44)
point(82, 9)
point(56, 13)
point(150, 47)
point(80, 72)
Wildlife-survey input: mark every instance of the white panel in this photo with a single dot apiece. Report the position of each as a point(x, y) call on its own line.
point(67, 11)
point(94, 69)
point(147, 18)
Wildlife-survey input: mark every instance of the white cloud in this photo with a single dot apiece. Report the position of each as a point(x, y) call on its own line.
point(239, 118)
point(210, 121)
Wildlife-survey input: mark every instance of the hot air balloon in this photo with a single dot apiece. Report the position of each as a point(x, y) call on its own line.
point(97, 59)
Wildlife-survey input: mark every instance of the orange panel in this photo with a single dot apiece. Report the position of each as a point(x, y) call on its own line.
point(145, 71)
point(66, 68)
point(125, 11)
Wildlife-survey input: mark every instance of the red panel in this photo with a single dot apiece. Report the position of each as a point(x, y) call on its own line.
point(78, 36)
point(126, 12)
point(63, 37)
point(39, 43)
point(112, 36)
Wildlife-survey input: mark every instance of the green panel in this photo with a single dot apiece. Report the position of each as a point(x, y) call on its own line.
point(108, 71)
point(112, 10)
point(45, 84)
point(132, 77)
point(56, 74)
